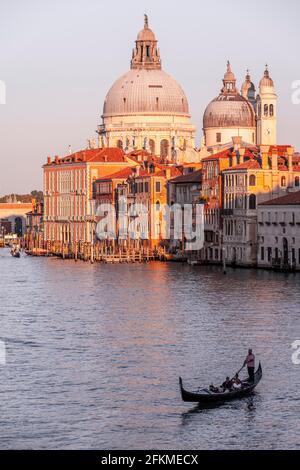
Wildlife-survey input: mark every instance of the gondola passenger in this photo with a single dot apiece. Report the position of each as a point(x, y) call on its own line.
point(227, 385)
point(236, 382)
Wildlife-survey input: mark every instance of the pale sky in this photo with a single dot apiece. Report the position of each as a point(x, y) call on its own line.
point(58, 59)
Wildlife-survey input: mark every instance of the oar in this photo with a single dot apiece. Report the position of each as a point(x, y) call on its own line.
point(239, 370)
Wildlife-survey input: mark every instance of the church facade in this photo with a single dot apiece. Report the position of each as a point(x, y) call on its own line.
point(251, 117)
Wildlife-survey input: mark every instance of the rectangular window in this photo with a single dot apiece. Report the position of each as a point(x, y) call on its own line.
point(219, 137)
point(146, 187)
point(157, 186)
point(269, 255)
point(262, 253)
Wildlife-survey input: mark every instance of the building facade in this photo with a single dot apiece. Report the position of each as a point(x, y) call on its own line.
point(279, 233)
point(69, 192)
point(243, 114)
point(13, 217)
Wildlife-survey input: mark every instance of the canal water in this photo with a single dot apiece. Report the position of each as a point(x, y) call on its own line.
point(93, 355)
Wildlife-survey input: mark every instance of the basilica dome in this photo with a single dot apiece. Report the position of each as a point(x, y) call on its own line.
point(229, 111)
point(146, 108)
point(230, 114)
point(145, 91)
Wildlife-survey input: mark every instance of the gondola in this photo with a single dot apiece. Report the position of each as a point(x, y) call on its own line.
point(15, 254)
point(205, 396)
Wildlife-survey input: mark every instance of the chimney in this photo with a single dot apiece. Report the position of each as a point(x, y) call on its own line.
point(242, 155)
point(234, 159)
point(138, 171)
point(56, 160)
point(48, 160)
point(237, 141)
point(290, 152)
point(275, 159)
point(264, 150)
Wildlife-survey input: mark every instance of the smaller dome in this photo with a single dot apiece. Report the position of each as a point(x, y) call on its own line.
point(146, 35)
point(229, 111)
point(229, 75)
point(266, 80)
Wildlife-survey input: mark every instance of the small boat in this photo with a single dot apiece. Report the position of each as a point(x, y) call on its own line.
point(15, 252)
point(205, 396)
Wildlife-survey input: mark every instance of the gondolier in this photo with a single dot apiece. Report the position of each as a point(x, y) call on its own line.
point(250, 363)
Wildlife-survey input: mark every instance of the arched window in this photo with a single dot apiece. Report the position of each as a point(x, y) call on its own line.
point(259, 109)
point(297, 181)
point(164, 149)
point(266, 110)
point(120, 144)
point(152, 146)
point(157, 206)
point(271, 110)
point(252, 180)
point(252, 202)
point(283, 181)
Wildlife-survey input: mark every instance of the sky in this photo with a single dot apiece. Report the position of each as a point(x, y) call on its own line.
point(59, 58)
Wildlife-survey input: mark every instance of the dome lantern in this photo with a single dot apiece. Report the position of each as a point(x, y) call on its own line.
point(146, 54)
point(248, 89)
point(229, 81)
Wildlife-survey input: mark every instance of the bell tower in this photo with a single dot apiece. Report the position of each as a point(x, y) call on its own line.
point(266, 111)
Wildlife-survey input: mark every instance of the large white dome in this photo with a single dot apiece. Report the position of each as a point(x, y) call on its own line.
point(145, 91)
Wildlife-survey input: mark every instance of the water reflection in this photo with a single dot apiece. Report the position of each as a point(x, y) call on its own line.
point(95, 351)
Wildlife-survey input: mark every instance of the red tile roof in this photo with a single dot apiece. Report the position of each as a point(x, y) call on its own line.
point(119, 175)
point(193, 177)
point(247, 165)
point(104, 155)
point(249, 151)
point(289, 199)
point(174, 172)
